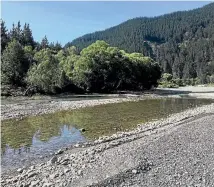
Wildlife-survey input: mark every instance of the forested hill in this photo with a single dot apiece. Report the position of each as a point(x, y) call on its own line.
point(182, 42)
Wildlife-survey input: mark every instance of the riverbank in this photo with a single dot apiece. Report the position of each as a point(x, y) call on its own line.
point(26, 106)
point(92, 164)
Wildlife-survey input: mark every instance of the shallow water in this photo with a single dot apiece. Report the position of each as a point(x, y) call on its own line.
point(32, 137)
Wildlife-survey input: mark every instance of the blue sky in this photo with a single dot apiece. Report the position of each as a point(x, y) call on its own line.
point(65, 21)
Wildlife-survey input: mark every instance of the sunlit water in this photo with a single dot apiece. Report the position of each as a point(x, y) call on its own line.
point(35, 137)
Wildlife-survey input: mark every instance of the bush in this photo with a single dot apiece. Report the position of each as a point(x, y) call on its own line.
point(166, 77)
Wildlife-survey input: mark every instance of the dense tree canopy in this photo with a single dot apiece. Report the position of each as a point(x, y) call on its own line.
point(49, 68)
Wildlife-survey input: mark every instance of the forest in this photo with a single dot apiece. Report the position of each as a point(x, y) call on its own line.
point(181, 42)
point(172, 50)
point(48, 68)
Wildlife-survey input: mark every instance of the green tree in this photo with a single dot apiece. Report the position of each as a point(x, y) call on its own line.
point(27, 37)
point(101, 68)
point(44, 43)
point(14, 64)
point(29, 54)
point(16, 32)
point(46, 74)
point(4, 36)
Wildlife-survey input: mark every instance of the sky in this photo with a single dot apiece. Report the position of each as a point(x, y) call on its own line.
point(65, 21)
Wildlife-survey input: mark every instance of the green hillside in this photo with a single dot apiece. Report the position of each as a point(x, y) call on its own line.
point(182, 42)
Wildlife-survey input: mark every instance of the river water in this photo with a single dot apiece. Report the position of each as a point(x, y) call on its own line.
point(33, 138)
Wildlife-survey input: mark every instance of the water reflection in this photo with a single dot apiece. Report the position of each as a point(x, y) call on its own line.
point(68, 135)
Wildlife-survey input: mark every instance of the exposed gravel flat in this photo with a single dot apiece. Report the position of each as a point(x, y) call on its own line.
point(9, 111)
point(192, 91)
point(177, 151)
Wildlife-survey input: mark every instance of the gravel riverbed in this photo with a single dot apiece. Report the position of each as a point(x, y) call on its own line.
point(19, 110)
point(120, 159)
point(176, 151)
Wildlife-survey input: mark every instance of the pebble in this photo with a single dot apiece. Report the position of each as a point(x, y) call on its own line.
point(31, 174)
point(54, 176)
point(82, 130)
point(79, 172)
point(52, 160)
point(20, 170)
point(60, 151)
point(47, 184)
point(66, 170)
point(134, 171)
point(76, 145)
point(34, 183)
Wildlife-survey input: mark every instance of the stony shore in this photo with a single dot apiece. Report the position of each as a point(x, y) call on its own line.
point(67, 168)
point(20, 110)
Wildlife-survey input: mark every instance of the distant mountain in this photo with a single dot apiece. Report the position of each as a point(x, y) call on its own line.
point(182, 42)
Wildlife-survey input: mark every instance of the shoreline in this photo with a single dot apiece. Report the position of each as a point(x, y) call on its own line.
point(89, 155)
point(39, 107)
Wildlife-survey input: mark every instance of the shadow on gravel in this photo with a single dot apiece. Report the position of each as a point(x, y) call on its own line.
point(143, 167)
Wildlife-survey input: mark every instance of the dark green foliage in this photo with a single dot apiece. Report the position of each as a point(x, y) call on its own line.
point(27, 37)
point(14, 64)
point(4, 36)
point(45, 74)
point(167, 81)
point(181, 42)
point(16, 33)
point(44, 43)
point(102, 68)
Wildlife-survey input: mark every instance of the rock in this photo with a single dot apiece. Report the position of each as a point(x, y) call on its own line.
point(79, 172)
point(76, 145)
point(53, 176)
point(32, 167)
point(60, 151)
point(134, 171)
point(82, 130)
point(65, 162)
point(31, 174)
point(47, 184)
point(42, 164)
point(14, 180)
point(34, 183)
point(20, 170)
point(52, 160)
point(66, 170)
